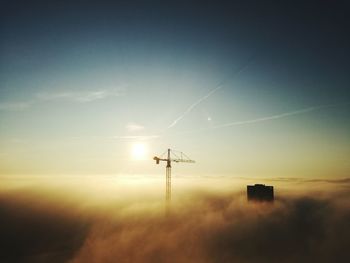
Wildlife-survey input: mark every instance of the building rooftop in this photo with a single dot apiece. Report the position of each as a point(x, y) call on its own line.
point(260, 192)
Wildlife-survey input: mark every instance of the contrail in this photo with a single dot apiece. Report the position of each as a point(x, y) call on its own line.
point(195, 104)
point(190, 108)
point(237, 123)
point(268, 118)
point(277, 116)
point(262, 119)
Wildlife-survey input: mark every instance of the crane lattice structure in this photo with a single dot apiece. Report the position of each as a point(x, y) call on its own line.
point(172, 156)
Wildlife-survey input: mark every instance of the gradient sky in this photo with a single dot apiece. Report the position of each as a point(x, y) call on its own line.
point(245, 89)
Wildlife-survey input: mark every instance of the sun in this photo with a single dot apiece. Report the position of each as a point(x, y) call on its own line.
point(139, 151)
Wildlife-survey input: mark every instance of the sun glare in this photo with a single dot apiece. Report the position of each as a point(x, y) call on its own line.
point(139, 151)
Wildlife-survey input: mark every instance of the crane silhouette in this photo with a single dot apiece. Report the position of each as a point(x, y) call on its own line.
point(172, 156)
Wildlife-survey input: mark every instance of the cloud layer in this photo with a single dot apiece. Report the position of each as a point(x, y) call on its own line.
point(203, 227)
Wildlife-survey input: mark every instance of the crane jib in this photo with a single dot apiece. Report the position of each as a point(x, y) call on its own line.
point(183, 158)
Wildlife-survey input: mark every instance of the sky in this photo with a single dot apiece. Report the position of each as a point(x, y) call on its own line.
point(254, 92)
point(245, 88)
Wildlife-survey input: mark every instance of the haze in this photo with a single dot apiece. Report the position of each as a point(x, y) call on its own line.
point(254, 92)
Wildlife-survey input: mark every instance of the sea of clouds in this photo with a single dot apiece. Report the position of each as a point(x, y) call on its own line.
point(41, 225)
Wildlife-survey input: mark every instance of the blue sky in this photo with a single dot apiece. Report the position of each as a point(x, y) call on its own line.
point(80, 83)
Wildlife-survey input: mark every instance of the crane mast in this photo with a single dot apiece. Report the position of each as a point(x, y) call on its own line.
point(178, 158)
point(168, 179)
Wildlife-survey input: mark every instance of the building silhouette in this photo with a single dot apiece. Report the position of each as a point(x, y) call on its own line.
point(260, 192)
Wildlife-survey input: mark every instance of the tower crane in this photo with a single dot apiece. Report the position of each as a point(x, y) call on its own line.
point(172, 156)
